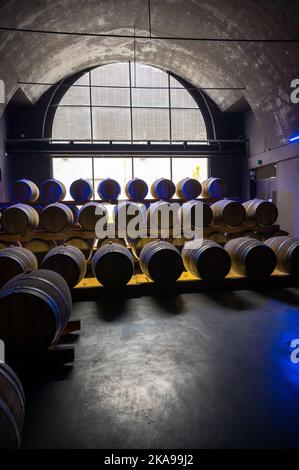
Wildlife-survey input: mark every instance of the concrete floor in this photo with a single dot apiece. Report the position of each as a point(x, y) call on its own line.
point(196, 370)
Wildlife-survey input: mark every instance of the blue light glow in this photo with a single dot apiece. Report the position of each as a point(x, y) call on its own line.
point(294, 139)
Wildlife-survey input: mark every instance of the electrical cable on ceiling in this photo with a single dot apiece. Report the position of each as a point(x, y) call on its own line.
point(19, 82)
point(149, 19)
point(160, 38)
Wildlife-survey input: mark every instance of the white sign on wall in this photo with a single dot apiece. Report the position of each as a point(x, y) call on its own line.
point(2, 92)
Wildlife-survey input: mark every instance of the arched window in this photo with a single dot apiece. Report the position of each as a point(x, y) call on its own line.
point(126, 103)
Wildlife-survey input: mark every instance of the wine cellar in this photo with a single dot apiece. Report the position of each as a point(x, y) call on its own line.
point(149, 225)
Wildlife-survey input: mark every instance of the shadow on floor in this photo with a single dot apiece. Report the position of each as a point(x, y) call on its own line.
point(281, 295)
point(229, 300)
point(110, 309)
point(170, 303)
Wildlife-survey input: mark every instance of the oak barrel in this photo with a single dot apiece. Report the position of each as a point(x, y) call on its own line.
point(81, 191)
point(188, 189)
point(39, 247)
point(214, 188)
point(136, 189)
point(109, 189)
point(161, 262)
point(15, 260)
point(68, 261)
point(85, 245)
point(90, 214)
point(19, 218)
point(113, 265)
point(218, 237)
point(56, 217)
point(260, 212)
point(251, 257)
point(12, 408)
point(227, 212)
point(162, 188)
point(34, 309)
point(287, 253)
point(206, 259)
point(105, 241)
point(126, 211)
point(52, 191)
point(24, 191)
point(137, 244)
point(162, 215)
point(198, 214)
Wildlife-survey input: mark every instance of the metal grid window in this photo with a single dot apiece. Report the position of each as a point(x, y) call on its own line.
point(128, 102)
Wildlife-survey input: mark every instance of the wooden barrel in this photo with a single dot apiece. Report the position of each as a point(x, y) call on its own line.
point(113, 265)
point(286, 250)
point(160, 215)
point(35, 308)
point(188, 189)
point(206, 259)
point(68, 261)
point(85, 245)
point(251, 258)
point(161, 262)
point(218, 237)
point(81, 191)
point(126, 211)
point(137, 244)
point(107, 241)
point(227, 212)
point(6, 244)
point(162, 189)
point(260, 212)
point(39, 248)
point(90, 214)
point(24, 191)
point(276, 233)
point(56, 217)
point(15, 260)
point(247, 234)
point(76, 211)
point(39, 209)
point(19, 218)
point(109, 189)
point(179, 243)
point(213, 188)
point(197, 213)
point(136, 189)
point(12, 408)
point(52, 191)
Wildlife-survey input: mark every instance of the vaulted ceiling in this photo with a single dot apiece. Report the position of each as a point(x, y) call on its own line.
point(266, 70)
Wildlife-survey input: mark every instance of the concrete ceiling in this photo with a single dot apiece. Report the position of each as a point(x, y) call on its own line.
point(266, 70)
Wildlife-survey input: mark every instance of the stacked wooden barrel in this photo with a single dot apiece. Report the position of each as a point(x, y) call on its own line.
point(136, 190)
point(35, 307)
point(251, 258)
point(206, 259)
point(286, 250)
point(161, 262)
point(15, 260)
point(24, 191)
point(68, 261)
point(12, 408)
point(19, 218)
point(113, 265)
